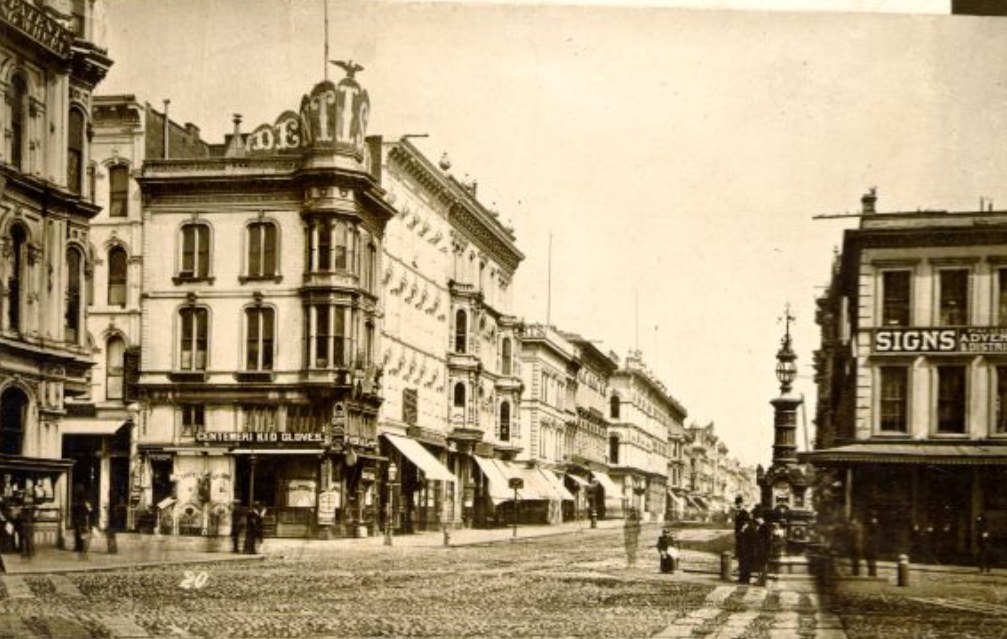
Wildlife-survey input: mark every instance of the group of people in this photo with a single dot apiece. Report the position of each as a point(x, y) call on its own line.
point(249, 521)
point(754, 540)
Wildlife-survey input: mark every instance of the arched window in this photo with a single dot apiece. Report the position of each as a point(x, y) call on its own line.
point(117, 276)
point(613, 449)
point(193, 338)
point(461, 331)
point(195, 251)
point(13, 417)
point(115, 353)
point(261, 249)
point(19, 241)
point(74, 287)
point(118, 191)
point(75, 152)
point(459, 395)
point(18, 121)
point(259, 338)
point(505, 357)
point(614, 407)
point(505, 422)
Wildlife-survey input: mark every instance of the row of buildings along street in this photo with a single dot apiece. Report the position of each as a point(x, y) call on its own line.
point(302, 315)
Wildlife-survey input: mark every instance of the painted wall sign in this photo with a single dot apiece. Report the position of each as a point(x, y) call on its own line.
point(34, 23)
point(332, 116)
point(260, 438)
point(967, 340)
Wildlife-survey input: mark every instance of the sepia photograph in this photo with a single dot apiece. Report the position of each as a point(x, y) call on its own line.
point(553, 319)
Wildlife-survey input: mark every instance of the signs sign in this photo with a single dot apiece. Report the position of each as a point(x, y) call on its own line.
point(965, 340)
point(260, 438)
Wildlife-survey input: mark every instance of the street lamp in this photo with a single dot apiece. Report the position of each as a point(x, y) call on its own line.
point(393, 476)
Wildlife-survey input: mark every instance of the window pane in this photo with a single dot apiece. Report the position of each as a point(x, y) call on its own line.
point(252, 339)
point(186, 338)
point(951, 399)
point(1001, 400)
point(954, 297)
point(269, 250)
point(117, 277)
point(267, 339)
point(339, 246)
point(201, 338)
point(893, 398)
point(254, 250)
point(115, 353)
point(895, 287)
point(118, 177)
point(73, 288)
point(188, 250)
point(203, 248)
point(321, 336)
point(75, 151)
point(324, 246)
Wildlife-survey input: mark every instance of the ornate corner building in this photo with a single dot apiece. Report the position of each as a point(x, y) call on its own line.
point(49, 67)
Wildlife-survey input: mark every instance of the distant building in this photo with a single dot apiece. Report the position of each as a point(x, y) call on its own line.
point(912, 376)
point(49, 67)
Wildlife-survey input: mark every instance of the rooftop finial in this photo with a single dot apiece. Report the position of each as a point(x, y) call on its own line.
point(349, 66)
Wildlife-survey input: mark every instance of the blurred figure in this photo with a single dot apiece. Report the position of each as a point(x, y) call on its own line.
point(631, 534)
point(855, 544)
point(253, 528)
point(763, 540)
point(983, 533)
point(741, 519)
point(238, 516)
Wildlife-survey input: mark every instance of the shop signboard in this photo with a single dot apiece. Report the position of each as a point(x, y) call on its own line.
point(328, 502)
point(961, 340)
point(267, 439)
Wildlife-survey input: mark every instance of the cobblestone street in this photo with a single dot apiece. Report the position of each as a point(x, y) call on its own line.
point(571, 585)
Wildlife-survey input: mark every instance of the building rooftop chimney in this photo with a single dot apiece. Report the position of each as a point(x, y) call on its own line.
point(869, 200)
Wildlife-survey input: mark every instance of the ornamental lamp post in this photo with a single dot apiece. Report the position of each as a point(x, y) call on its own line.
point(393, 476)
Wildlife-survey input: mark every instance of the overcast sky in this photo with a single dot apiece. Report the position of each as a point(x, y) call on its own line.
point(676, 156)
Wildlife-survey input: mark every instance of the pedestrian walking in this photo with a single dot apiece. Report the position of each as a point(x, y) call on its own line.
point(983, 533)
point(631, 534)
point(238, 515)
point(80, 520)
point(872, 541)
point(253, 528)
point(741, 518)
point(667, 549)
point(855, 544)
point(763, 540)
point(748, 559)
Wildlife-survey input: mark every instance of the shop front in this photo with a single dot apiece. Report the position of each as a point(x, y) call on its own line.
point(33, 502)
point(611, 503)
point(538, 498)
point(426, 485)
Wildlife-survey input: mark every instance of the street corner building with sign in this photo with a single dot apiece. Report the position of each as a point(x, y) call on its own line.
point(49, 67)
point(258, 382)
point(912, 381)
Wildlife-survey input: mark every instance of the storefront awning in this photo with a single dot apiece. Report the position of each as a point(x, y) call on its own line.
point(557, 484)
point(607, 484)
point(85, 426)
point(579, 480)
point(417, 454)
point(496, 479)
point(675, 499)
point(697, 502)
point(43, 465)
point(911, 453)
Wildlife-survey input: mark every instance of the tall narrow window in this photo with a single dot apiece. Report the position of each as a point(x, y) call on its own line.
point(461, 331)
point(894, 398)
point(13, 419)
point(1002, 297)
point(340, 341)
point(74, 286)
point(613, 404)
point(1001, 401)
point(322, 324)
point(950, 399)
point(339, 246)
point(118, 191)
point(195, 251)
point(505, 421)
point(193, 419)
point(117, 269)
point(115, 353)
point(895, 287)
point(261, 249)
point(75, 152)
point(325, 246)
point(193, 338)
point(259, 337)
point(459, 395)
point(613, 449)
point(14, 277)
point(954, 297)
point(505, 356)
point(18, 124)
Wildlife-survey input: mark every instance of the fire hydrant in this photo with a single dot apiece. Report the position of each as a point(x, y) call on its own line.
point(594, 518)
point(447, 534)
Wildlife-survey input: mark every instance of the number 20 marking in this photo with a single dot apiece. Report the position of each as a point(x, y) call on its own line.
point(193, 581)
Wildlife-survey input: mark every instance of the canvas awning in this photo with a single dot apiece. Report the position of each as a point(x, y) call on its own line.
point(579, 480)
point(611, 490)
point(432, 468)
point(90, 426)
point(496, 479)
point(561, 492)
point(911, 453)
point(675, 499)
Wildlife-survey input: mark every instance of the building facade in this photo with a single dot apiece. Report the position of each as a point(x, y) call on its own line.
point(260, 326)
point(643, 416)
point(49, 67)
point(912, 380)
